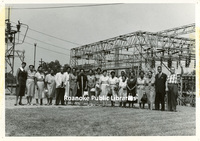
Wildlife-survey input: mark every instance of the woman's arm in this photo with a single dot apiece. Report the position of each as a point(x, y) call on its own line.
point(17, 77)
point(36, 82)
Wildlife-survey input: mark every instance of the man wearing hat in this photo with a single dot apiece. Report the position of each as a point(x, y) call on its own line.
point(113, 82)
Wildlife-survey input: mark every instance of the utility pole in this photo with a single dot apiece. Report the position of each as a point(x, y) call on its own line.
point(41, 62)
point(35, 52)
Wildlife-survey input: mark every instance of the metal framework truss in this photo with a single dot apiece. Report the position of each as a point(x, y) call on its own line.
point(186, 29)
point(135, 48)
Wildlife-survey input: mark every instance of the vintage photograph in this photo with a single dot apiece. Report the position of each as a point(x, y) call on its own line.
point(100, 69)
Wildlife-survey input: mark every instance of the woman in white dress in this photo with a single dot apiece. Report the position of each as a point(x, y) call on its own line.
point(30, 84)
point(104, 85)
point(114, 83)
point(39, 82)
point(123, 91)
point(51, 86)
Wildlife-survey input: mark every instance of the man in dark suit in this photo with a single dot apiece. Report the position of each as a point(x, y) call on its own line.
point(160, 85)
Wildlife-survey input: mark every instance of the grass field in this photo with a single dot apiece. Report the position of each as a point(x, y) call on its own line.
point(98, 121)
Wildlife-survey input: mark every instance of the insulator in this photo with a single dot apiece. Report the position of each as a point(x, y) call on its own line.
point(11, 38)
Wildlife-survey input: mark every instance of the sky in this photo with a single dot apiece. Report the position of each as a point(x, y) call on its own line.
point(84, 25)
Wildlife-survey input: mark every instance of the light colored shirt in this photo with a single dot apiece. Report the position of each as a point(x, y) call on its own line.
point(104, 80)
point(39, 76)
point(30, 75)
point(141, 81)
point(113, 81)
point(122, 84)
point(172, 78)
point(150, 81)
point(60, 79)
point(67, 76)
point(91, 80)
point(120, 79)
point(97, 77)
point(49, 79)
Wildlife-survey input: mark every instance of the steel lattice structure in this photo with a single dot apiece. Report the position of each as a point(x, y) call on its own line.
point(135, 48)
point(10, 39)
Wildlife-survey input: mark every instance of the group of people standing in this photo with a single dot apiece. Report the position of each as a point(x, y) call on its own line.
point(99, 86)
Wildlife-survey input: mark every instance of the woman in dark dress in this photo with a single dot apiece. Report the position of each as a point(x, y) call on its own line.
point(21, 77)
point(131, 88)
point(81, 84)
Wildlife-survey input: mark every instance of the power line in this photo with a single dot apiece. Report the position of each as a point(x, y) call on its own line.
point(55, 37)
point(73, 6)
point(47, 49)
point(52, 36)
point(46, 43)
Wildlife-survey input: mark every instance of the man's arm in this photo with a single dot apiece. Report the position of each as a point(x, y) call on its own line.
point(78, 82)
point(86, 81)
point(56, 79)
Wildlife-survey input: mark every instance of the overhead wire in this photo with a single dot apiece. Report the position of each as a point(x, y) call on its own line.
point(51, 36)
point(46, 43)
point(47, 49)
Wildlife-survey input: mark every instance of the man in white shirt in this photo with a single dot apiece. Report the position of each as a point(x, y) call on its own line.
point(172, 89)
point(60, 80)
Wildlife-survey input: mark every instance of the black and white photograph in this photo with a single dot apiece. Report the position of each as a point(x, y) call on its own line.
point(100, 69)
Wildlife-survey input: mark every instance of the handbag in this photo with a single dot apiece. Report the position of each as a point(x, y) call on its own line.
point(144, 97)
point(92, 90)
point(130, 97)
point(85, 93)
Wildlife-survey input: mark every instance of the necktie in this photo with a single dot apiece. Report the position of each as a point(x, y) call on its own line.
point(159, 75)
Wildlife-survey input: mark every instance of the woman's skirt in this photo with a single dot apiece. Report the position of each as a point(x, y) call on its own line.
point(40, 91)
point(73, 90)
point(123, 94)
point(97, 90)
point(51, 90)
point(67, 89)
point(30, 86)
point(150, 91)
point(114, 96)
point(20, 90)
point(104, 90)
